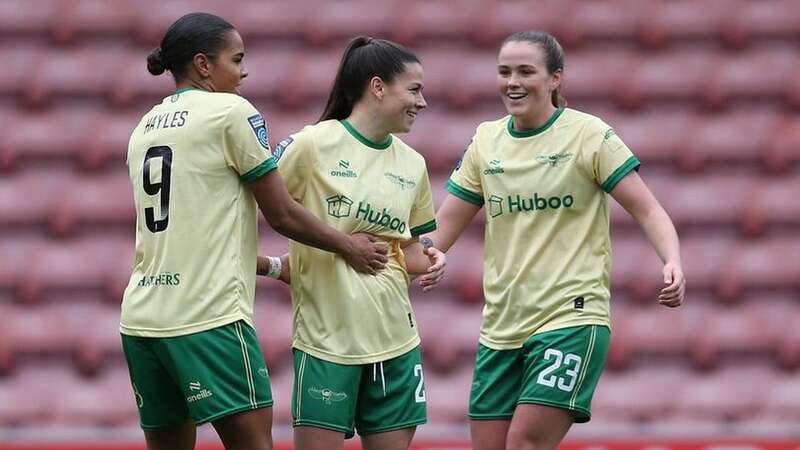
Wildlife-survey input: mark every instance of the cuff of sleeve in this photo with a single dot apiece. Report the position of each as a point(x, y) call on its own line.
point(464, 194)
point(424, 228)
point(260, 170)
point(631, 164)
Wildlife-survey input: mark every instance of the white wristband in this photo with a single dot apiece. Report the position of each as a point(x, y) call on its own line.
point(275, 266)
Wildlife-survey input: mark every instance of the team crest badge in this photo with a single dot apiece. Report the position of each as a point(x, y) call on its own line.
point(259, 127)
point(280, 149)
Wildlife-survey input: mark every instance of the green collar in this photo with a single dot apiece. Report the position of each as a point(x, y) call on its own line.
point(535, 131)
point(376, 145)
point(190, 88)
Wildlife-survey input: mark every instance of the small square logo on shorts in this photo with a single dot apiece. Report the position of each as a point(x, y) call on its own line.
point(579, 303)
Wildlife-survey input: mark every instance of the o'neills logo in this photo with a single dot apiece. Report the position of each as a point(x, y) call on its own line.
point(203, 393)
point(382, 218)
point(344, 170)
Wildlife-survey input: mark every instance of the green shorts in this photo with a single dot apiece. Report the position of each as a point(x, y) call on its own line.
point(372, 398)
point(203, 376)
point(558, 368)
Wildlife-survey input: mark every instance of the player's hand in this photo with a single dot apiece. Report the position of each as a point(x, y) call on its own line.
point(674, 286)
point(436, 270)
point(367, 254)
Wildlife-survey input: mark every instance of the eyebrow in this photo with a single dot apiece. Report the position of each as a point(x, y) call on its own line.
point(526, 66)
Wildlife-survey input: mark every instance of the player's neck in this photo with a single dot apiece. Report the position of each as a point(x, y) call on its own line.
point(535, 120)
point(367, 126)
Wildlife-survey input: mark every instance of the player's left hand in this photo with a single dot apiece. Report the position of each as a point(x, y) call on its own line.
point(675, 285)
point(435, 271)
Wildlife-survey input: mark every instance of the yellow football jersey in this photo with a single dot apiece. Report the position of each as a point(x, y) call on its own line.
point(354, 185)
point(547, 247)
point(189, 159)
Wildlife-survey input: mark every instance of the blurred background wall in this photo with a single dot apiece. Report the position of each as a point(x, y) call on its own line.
point(706, 93)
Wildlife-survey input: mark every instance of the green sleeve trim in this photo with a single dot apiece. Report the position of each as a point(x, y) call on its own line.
point(424, 228)
point(464, 194)
point(260, 170)
point(629, 165)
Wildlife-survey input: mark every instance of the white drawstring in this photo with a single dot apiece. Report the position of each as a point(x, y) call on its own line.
point(383, 381)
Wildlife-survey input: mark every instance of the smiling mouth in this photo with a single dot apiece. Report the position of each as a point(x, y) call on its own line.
point(411, 114)
point(516, 95)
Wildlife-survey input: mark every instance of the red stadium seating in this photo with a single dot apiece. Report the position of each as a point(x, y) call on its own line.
point(733, 78)
point(730, 394)
point(447, 396)
point(647, 393)
point(87, 72)
point(754, 265)
point(670, 76)
point(501, 18)
point(671, 21)
point(445, 350)
point(17, 17)
point(719, 139)
point(94, 18)
point(605, 20)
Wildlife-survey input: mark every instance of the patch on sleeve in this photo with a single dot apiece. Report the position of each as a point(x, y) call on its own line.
point(280, 149)
point(259, 127)
point(461, 160)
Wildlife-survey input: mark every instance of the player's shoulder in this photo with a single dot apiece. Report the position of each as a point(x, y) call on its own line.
point(492, 128)
point(407, 151)
point(581, 121)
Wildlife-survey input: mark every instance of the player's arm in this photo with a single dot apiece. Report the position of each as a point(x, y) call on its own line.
point(290, 219)
point(636, 198)
point(423, 258)
point(276, 267)
point(452, 219)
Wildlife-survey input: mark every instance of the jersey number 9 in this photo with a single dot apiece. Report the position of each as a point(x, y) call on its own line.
point(162, 187)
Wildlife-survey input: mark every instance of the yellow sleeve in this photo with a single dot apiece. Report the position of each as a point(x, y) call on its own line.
point(423, 216)
point(605, 157)
point(246, 142)
point(295, 159)
point(465, 181)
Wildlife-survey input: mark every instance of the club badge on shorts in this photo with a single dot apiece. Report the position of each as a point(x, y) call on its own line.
point(259, 126)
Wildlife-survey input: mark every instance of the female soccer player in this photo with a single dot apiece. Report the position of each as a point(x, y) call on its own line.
point(357, 362)
point(200, 164)
point(542, 174)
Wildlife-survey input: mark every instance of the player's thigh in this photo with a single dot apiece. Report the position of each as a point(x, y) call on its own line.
point(221, 371)
point(562, 368)
point(246, 430)
point(324, 394)
point(538, 427)
point(389, 440)
point(488, 434)
point(313, 438)
point(182, 437)
point(159, 399)
point(392, 395)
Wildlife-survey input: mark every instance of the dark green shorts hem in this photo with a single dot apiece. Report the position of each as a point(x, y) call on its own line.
point(323, 425)
point(400, 426)
point(490, 416)
point(581, 415)
point(231, 412)
point(162, 427)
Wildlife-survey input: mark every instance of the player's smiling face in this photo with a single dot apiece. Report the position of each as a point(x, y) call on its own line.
point(524, 83)
point(227, 69)
point(403, 99)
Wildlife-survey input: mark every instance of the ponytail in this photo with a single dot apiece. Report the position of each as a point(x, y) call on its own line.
point(363, 59)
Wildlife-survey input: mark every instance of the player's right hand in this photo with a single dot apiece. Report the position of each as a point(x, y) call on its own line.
point(367, 254)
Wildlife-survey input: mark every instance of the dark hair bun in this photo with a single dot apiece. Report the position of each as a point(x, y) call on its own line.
point(155, 65)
